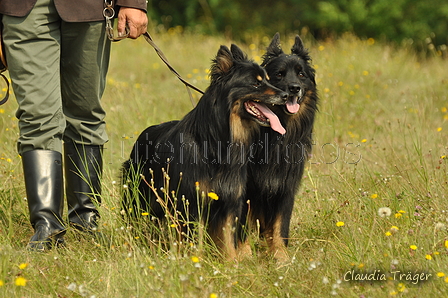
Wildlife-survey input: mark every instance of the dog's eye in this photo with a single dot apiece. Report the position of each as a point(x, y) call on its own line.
point(279, 75)
point(301, 74)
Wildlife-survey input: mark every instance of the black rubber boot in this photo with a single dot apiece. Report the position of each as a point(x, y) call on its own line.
point(43, 182)
point(83, 170)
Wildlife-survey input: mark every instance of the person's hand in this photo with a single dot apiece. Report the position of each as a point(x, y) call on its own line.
point(136, 20)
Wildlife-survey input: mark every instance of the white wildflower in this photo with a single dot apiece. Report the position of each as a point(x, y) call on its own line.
point(384, 211)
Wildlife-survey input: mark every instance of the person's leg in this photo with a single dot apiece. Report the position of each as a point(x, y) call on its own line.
point(32, 46)
point(83, 171)
point(43, 182)
point(84, 64)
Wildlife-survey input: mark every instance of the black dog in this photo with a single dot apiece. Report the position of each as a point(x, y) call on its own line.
point(208, 150)
point(278, 162)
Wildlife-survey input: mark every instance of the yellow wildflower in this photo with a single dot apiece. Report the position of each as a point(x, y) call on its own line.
point(23, 266)
point(145, 213)
point(440, 274)
point(340, 224)
point(195, 259)
point(428, 257)
point(413, 247)
point(388, 233)
point(213, 196)
point(374, 196)
point(20, 281)
point(213, 295)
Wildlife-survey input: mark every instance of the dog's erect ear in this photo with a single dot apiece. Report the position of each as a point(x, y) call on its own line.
point(274, 50)
point(222, 63)
point(237, 53)
point(298, 47)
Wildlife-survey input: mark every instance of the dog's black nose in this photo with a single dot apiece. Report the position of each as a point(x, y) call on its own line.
point(294, 88)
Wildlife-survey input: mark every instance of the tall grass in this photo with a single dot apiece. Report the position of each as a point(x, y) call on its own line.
point(380, 141)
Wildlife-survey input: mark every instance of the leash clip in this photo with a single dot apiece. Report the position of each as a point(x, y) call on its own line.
point(109, 14)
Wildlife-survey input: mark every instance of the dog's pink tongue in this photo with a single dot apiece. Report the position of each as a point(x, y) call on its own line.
point(273, 119)
point(293, 107)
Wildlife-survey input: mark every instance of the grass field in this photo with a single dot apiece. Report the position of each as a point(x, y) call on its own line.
point(373, 203)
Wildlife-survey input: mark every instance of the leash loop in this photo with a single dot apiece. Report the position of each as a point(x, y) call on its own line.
point(5, 99)
point(109, 14)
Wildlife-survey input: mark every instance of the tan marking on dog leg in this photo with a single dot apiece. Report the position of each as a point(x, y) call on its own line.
point(224, 238)
point(244, 250)
point(275, 242)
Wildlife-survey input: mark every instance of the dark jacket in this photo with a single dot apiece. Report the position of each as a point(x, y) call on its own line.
point(69, 10)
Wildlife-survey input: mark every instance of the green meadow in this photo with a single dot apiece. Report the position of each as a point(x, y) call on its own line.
point(370, 218)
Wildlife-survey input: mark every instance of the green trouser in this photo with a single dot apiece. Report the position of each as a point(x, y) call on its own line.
point(58, 73)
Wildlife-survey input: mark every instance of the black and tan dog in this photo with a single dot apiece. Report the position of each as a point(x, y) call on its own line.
point(207, 149)
point(277, 164)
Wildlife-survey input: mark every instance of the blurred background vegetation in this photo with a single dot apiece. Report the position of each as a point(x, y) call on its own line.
point(419, 23)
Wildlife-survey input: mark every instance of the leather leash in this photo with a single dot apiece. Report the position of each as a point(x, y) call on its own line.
point(3, 64)
point(159, 52)
point(109, 14)
point(5, 99)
